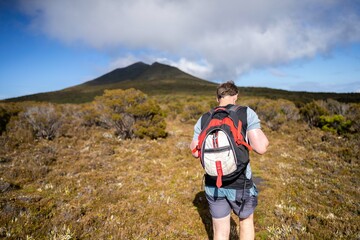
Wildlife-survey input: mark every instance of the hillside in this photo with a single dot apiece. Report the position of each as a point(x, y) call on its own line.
point(161, 79)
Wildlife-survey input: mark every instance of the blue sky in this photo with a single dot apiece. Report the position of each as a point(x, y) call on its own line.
point(310, 45)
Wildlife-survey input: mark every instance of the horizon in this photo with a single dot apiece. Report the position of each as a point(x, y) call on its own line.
point(293, 46)
point(149, 64)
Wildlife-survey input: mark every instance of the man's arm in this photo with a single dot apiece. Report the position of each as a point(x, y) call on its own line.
point(258, 140)
point(194, 142)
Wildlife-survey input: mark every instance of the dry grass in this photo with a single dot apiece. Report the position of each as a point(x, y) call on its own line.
point(90, 185)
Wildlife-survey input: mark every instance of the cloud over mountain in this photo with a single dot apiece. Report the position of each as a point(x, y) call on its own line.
point(212, 39)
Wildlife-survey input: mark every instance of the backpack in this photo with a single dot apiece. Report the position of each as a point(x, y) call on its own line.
point(223, 152)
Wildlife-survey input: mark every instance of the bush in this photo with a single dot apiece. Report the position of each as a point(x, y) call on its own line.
point(4, 119)
point(192, 112)
point(276, 112)
point(174, 109)
point(44, 119)
point(131, 113)
point(6, 112)
point(311, 113)
point(330, 115)
point(336, 124)
point(334, 107)
point(353, 115)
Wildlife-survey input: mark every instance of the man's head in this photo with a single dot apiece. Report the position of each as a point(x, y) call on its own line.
point(226, 89)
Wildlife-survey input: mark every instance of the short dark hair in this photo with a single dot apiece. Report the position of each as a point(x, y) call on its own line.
point(226, 89)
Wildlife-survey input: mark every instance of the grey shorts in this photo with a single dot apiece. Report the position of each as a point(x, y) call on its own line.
point(222, 202)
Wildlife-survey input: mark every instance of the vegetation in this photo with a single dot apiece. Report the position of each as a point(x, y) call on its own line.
point(131, 113)
point(112, 169)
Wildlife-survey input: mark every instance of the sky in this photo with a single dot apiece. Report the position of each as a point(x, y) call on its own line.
point(308, 45)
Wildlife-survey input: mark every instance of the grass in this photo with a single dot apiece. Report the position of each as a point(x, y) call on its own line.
point(90, 185)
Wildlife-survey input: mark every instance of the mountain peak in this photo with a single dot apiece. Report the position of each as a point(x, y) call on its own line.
point(130, 72)
point(140, 71)
point(137, 64)
point(159, 64)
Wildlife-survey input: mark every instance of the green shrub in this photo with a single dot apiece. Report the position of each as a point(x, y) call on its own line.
point(336, 124)
point(331, 116)
point(311, 113)
point(132, 113)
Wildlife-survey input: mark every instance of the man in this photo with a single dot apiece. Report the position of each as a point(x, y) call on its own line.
point(229, 197)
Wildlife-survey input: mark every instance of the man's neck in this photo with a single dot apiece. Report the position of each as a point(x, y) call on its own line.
point(224, 103)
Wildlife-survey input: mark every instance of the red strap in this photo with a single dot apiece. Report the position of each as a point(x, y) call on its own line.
point(240, 138)
point(239, 130)
point(195, 149)
point(219, 173)
point(246, 145)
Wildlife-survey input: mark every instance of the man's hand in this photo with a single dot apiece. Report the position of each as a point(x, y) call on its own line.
point(193, 145)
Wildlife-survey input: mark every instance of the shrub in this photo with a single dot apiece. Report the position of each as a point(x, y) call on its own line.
point(353, 114)
point(44, 119)
point(131, 113)
point(174, 109)
point(276, 112)
point(88, 115)
point(192, 111)
point(334, 107)
point(336, 124)
point(4, 119)
point(311, 113)
point(6, 112)
point(72, 120)
point(330, 115)
point(18, 131)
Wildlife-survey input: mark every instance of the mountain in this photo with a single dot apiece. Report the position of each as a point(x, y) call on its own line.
point(158, 79)
point(152, 79)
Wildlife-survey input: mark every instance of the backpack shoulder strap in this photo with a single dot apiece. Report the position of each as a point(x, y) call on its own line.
point(237, 113)
point(205, 118)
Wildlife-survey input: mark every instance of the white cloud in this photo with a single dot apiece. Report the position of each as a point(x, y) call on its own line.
point(216, 39)
point(123, 62)
point(199, 69)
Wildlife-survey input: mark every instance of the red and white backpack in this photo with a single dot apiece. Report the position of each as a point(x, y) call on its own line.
point(223, 151)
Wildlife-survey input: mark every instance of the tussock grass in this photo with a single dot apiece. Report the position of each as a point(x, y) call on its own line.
point(90, 185)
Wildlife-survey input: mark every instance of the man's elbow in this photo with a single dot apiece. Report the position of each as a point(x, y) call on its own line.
point(261, 148)
point(261, 151)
